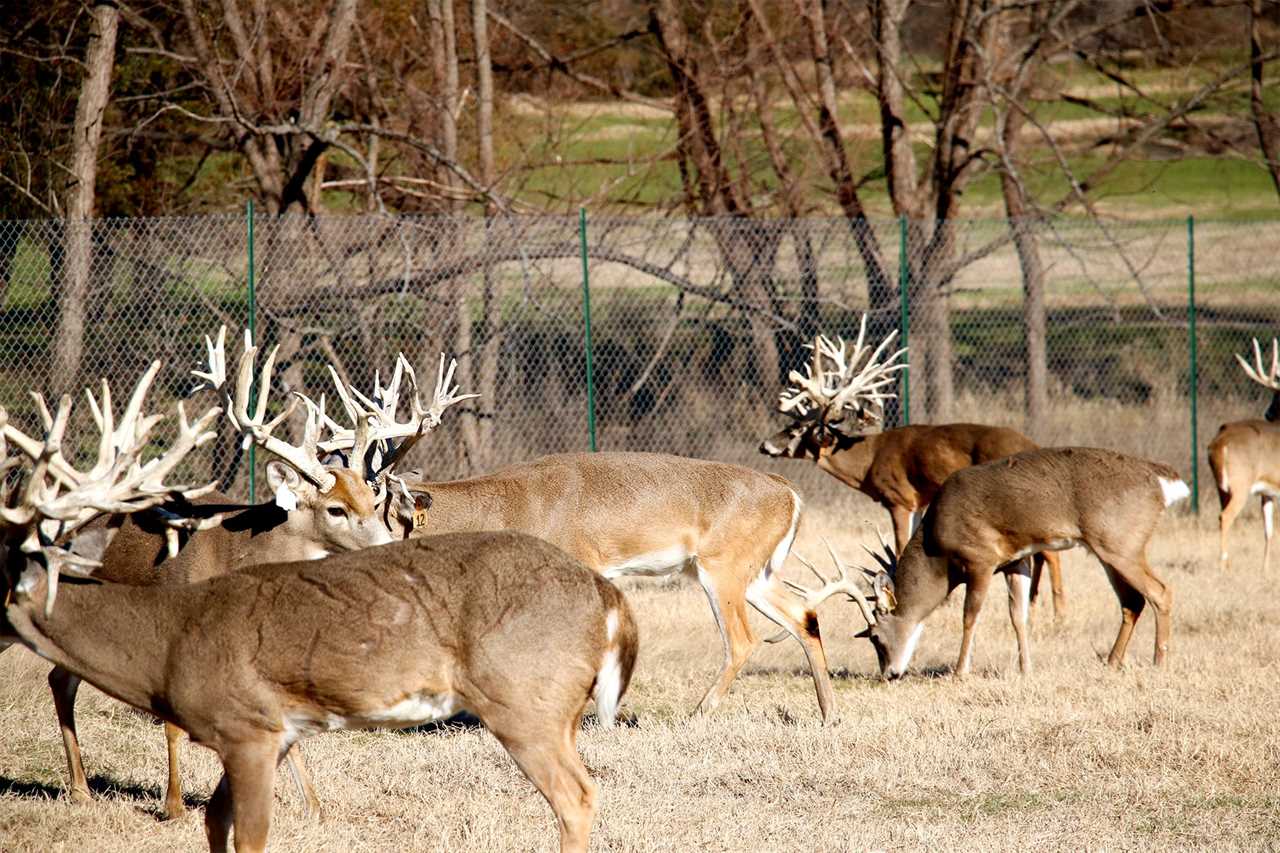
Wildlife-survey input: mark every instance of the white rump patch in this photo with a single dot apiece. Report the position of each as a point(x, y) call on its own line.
point(609, 686)
point(611, 626)
point(654, 564)
point(1225, 485)
point(1173, 490)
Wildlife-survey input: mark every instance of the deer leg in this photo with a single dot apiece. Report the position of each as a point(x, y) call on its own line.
point(549, 758)
point(975, 592)
point(1268, 527)
point(302, 779)
point(902, 526)
point(243, 796)
point(173, 805)
point(1136, 585)
point(1018, 579)
point(801, 623)
point(64, 686)
point(1231, 508)
point(1054, 561)
point(739, 641)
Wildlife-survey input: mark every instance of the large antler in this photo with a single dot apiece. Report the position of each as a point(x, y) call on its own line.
point(857, 376)
point(255, 427)
point(1269, 378)
point(381, 416)
point(840, 584)
point(119, 482)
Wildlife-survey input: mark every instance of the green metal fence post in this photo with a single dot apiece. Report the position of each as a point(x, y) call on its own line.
point(1193, 352)
point(253, 311)
point(904, 320)
point(586, 327)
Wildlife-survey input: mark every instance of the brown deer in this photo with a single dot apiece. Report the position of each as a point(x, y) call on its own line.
point(1245, 457)
point(502, 625)
point(901, 469)
point(330, 509)
point(619, 513)
point(988, 518)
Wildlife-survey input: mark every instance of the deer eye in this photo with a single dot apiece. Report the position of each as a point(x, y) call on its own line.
point(336, 512)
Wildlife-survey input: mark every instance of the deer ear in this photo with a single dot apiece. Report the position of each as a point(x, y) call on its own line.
point(886, 601)
point(284, 481)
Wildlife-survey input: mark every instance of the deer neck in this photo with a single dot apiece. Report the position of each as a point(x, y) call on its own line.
point(850, 460)
point(114, 636)
point(265, 533)
point(921, 583)
point(462, 506)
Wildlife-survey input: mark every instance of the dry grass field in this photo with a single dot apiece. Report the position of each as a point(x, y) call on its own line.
point(1074, 756)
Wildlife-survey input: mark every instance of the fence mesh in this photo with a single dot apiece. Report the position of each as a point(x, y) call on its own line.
point(694, 322)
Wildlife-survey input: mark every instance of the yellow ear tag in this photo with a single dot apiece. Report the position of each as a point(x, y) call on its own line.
point(419, 512)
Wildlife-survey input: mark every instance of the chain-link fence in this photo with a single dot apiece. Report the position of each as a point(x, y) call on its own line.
point(693, 323)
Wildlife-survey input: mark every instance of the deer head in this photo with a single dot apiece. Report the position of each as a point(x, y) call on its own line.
point(56, 500)
point(892, 635)
point(839, 397)
point(377, 451)
point(1266, 377)
point(330, 507)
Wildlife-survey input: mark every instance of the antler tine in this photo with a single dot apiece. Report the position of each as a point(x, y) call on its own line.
point(840, 584)
point(1269, 379)
point(301, 458)
point(216, 375)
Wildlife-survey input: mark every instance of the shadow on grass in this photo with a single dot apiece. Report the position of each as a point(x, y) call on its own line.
point(149, 797)
point(466, 722)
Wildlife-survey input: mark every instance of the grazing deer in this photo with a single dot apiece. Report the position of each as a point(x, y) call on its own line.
point(500, 624)
point(900, 469)
point(989, 518)
point(1245, 457)
point(619, 513)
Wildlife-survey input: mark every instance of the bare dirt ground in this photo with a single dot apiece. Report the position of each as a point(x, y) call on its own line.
point(1073, 757)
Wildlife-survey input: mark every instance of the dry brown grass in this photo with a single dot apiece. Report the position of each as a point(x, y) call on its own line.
point(1073, 757)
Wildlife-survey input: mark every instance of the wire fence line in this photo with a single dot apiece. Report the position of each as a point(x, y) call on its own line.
point(695, 322)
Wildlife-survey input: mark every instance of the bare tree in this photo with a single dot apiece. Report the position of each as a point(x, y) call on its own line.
point(80, 193)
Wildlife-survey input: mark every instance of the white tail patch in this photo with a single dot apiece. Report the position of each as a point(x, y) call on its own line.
point(608, 688)
point(1225, 485)
point(1173, 490)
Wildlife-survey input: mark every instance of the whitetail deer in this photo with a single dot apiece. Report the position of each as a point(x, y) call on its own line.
point(1245, 457)
point(901, 469)
point(624, 514)
point(317, 510)
point(500, 624)
point(989, 518)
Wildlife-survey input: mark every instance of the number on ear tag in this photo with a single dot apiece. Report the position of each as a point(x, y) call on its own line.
point(419, 512)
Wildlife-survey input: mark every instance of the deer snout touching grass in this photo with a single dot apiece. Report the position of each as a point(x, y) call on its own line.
point(991, 518)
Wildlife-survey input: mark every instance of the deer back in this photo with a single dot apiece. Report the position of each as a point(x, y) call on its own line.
point(1050, 497)
point(607, 508)
point(355, 640)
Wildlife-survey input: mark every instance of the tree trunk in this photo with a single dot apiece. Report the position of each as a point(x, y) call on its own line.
point(1266, 124)
point(85, 141)
point(1033, 289)
point(478, 341)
